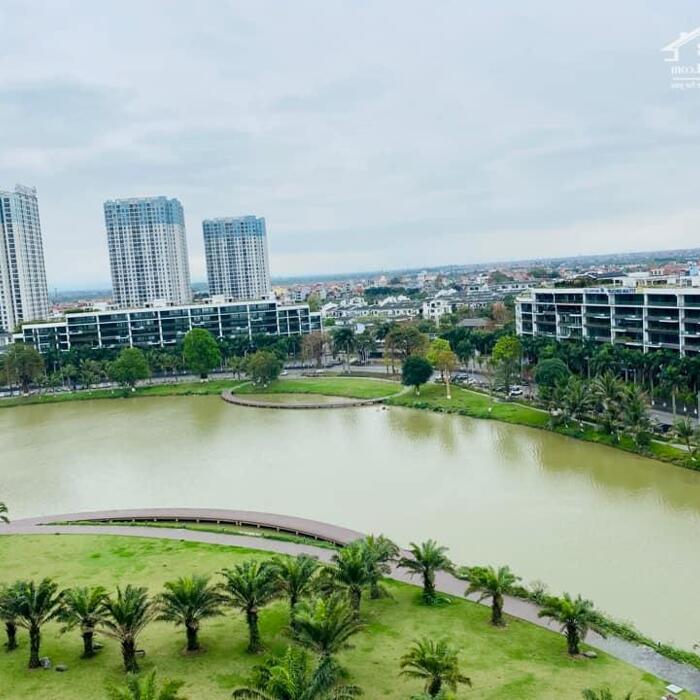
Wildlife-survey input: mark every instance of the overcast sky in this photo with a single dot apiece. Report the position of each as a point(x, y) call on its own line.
point(370, 134)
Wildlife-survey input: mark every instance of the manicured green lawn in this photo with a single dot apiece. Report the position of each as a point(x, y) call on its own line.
point(472, 403)
point(351, 387)
point(522, 662)
point(212, 386)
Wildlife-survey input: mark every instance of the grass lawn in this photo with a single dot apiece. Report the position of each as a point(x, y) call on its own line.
point(212, 386)
point(351, 387)
point(522, 661)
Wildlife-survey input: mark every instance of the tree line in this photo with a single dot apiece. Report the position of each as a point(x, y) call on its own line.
point(324, 601)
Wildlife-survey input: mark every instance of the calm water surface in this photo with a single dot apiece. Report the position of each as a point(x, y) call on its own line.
point(620, 529)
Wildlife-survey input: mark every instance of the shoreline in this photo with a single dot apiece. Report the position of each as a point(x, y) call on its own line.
point(464, 402)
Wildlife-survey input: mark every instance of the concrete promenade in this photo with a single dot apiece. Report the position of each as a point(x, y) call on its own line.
point(642, 657)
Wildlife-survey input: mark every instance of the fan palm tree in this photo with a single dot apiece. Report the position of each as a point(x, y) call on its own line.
point(344, 342)
point(351, 573)
point(3, 513)
point(36, 604)
point(493, 583)
point(296, 577)
point(8, 615)
point(602, 694)
point(250, 586)
point(84, 607)
point(326, 625)
point(187, 601)
point(576, 617)
point(128, 614)
point(380, 552)
point(146, 689)
point(426, 560)
point(291, 677)
point(436, 663)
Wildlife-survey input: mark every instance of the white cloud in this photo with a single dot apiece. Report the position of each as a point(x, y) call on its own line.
point(370, 135)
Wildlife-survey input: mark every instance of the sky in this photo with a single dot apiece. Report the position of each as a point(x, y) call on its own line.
point(371, 134)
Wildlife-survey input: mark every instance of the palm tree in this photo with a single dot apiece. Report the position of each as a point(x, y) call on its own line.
point(608, 390)
point(380, 551)
point(128, 614)
point(351, 573)
point(436, 663)
point(493, 583)
point(326, 625)
point(635, 415)
point(146, 689)
point(3, 513)
point(602, 694)
point(250, 586)
point(84, 607)
point(187, 601)
point(8, 614)
point(36, 604)
point(344, 342)
point(291, 677)
point(426, 560)
point(687, 432)
point(296, 577)
point(576, 401)
point(576, 617)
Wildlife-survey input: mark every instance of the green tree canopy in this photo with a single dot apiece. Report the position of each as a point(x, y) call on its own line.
point(130, 367)
point(263, 367)
point(416, 371)
point(201, 352)
point(22, 365)
point(549, 373)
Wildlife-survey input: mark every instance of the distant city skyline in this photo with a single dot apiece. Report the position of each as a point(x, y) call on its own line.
point(379, 135)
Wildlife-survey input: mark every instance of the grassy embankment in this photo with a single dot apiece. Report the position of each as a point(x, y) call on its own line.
point(347, 387)
point(522, 661)
point(212, 386)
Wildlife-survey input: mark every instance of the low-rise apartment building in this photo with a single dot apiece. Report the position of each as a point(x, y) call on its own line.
point(166, 326)
point(642, 318)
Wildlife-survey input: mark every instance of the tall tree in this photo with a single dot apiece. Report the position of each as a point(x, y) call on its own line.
point(296, 576)
point(201, 352)
point(602, 694)
point(313, 347)
point(249, 587)
point(575, 615)
point(494, 584)
point(84, 608)
point(415, 372)
point(187, 601)
point(128, 614)
point(437, 663)
point(130, 367)
point(344, 343)
point(506, 355)
point(426, 560)
point(292, 677)
point(146, 689)
point(36, 604)
point(3, 513)
point(22, 365)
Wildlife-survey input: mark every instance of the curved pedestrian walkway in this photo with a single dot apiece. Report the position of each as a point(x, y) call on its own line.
point(248, 400)
point(642, 657)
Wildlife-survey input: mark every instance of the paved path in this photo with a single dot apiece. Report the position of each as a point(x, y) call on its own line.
point(642, 657)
